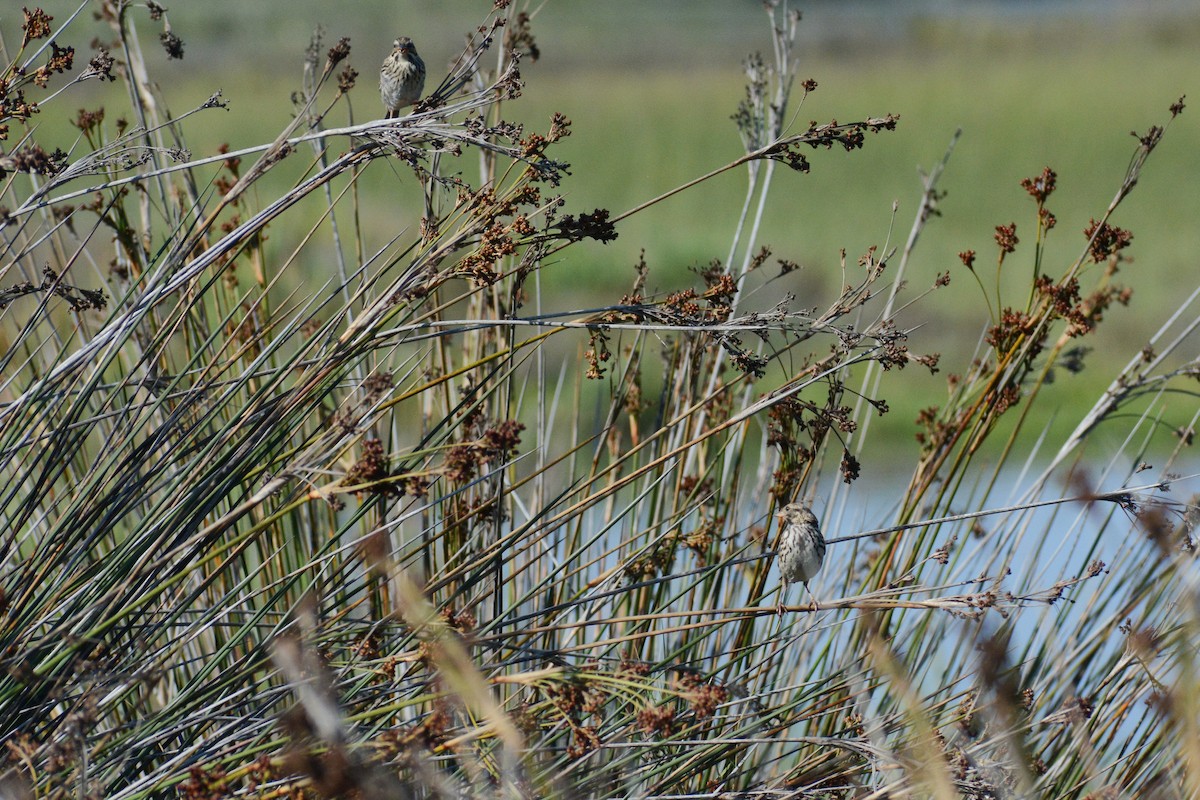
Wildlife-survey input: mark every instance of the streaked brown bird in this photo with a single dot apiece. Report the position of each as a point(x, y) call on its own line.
point(402, 77)
point(801, 547)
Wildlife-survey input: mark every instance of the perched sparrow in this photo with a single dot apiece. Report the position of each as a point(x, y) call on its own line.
point(402, 77)
point(801, 547)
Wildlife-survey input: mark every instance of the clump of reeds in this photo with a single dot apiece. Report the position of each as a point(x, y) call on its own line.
point(365, 538)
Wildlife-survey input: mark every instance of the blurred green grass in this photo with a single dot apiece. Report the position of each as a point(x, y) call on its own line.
point(1021, 105)
point(651, 96)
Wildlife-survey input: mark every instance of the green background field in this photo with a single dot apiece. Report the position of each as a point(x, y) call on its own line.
point(650, 88)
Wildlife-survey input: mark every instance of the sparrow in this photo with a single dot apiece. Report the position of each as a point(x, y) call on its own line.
point(402, 77)
point(801, 547)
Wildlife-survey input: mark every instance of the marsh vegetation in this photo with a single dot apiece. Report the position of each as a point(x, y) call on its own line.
point(309, 494)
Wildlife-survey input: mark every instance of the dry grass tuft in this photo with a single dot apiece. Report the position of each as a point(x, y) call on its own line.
point(372, 538)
